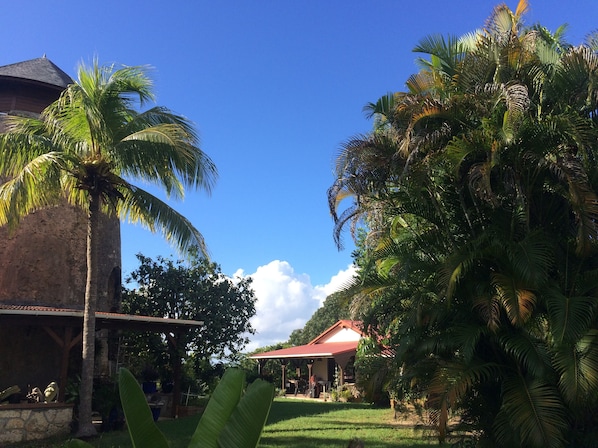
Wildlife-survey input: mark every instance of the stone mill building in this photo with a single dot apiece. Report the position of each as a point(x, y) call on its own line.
point(43, 271)
point(43, 263)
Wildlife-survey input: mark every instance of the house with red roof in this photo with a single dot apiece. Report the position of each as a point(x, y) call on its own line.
point(333, 349)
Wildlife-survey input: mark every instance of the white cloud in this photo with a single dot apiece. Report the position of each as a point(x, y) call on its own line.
point(336, 282)
point(286, 300)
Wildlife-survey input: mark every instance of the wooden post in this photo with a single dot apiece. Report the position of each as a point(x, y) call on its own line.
point(283, 364)
point(260, 367)
point(64, 365)
point(66, 343)
point(176, 373)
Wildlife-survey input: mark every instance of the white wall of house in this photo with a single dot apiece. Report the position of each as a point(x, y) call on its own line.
point(320, 369)
point(343, 335)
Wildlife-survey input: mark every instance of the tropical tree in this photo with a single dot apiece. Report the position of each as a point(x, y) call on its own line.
point(86, 149)
point(478, 187)
point(194, 289)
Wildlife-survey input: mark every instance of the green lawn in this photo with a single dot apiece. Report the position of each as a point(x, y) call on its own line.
point(302, 423)
point(297, 424)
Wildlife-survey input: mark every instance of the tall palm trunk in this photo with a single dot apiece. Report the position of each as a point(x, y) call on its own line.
point(86, 427)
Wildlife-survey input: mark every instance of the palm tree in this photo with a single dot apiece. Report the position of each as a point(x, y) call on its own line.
point(478, 188)
point(86, 149)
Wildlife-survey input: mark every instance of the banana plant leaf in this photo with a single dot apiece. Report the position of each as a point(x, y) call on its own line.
point(143, 430)
point(244, 428)
point(219, 409)
point(231, 419)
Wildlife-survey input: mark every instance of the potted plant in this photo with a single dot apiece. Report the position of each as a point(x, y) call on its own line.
point(150, 377)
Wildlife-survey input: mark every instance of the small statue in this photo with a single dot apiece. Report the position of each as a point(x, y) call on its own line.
point(35, 396)
point(51, 392)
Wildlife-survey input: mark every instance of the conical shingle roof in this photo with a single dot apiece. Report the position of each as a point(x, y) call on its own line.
point(41, 70)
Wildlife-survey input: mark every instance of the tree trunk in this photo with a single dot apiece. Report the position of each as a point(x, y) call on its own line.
point(86, 428)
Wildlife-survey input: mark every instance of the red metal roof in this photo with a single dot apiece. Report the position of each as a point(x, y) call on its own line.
point(316, 349)
point(325, 350)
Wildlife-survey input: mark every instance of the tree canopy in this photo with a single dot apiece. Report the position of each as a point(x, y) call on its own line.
point(478, 187)
point(194, 289)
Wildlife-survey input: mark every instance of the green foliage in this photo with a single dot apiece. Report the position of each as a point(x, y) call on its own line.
point(106, 400)
point(220, 408)
point(196, 290)
point(140, 422)
point(241, 424)
point(234, 417)
point(478, 189)
point(271, 370)
point(376, 374)
point(335, 308)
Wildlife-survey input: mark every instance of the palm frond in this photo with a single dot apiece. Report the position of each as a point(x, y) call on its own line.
point(535, 411)
point(531, 259)
point(173, 170)
point(453, 380)
point(36, 186)
point(22, 141)
point(139, 206)
point(529, 352)
point(577, 365)
point(518, 301)
point(467, 336)
point(569, 316)
point(446, 53)
point(384, 107)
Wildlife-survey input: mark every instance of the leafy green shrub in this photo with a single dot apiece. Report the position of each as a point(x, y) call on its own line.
point(346, 394)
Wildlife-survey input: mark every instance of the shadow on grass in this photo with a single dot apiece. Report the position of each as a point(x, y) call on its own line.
point(285, 409)
point(376, 425)
point(417, 433)
point(316, 440)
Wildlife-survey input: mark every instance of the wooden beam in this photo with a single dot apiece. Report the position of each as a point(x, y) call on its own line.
point(64, 366)
point(54, 336)
point(66, 343)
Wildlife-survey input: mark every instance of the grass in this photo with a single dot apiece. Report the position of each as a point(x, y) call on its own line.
point(299, 423)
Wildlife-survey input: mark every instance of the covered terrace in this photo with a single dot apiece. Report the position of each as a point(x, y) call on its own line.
point(333, 349)
point(64, 327)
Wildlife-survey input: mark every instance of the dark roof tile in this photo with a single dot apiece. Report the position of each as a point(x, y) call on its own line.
point(41, 70)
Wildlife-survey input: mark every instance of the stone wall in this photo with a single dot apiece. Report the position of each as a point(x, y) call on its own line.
point(43, 261)
point(22, 422)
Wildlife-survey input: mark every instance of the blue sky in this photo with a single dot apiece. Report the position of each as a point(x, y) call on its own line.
point(274, 88)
